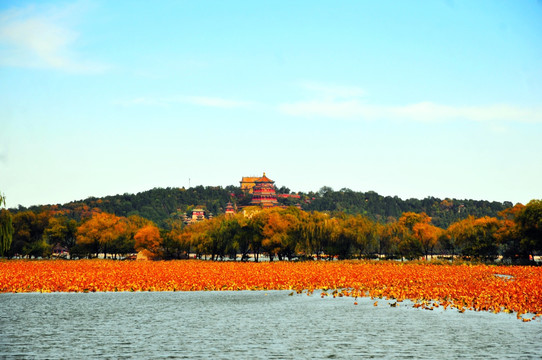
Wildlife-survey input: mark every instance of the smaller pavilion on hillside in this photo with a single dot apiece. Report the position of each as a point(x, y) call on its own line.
point(229, 209)
point(198, 214)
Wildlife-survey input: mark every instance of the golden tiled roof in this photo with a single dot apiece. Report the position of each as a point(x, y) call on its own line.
point(264, 179)
point(249, 179)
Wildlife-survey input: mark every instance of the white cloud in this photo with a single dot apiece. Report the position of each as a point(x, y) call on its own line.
point(328, 91)
point(206, 101)
point(214, 102)
point(348, 103)
point(42, 39)
point(145, 101)
point(428, 111)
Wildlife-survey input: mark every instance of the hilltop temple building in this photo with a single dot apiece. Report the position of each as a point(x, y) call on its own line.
point(248, 183)
point(263, 193)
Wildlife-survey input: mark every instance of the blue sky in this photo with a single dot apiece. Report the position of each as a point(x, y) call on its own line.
point(414, 99)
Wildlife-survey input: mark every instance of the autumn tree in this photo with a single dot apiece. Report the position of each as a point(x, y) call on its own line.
point(125, 242)
point(101, 231)
point(148, 238)
point(292, 218)
point(279, 238)
point(419, 234)
point(476, 238)
point(412, 226)
point(410, 219)
point(428, 235)
point(486, 244)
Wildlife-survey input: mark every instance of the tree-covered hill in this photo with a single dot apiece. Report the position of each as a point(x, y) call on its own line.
point(442, 211)
point(161, 204)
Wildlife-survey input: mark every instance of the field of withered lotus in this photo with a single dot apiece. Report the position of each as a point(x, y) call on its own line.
point(514, 289)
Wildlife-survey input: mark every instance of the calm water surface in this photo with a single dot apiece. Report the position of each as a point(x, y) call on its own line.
point(248, 325)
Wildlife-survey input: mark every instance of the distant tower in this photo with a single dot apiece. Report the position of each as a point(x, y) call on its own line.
point(229, 209)
point(263, 193)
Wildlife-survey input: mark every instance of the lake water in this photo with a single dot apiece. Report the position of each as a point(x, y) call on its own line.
point(251, 324)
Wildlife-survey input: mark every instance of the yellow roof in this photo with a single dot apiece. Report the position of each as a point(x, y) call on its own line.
point(265, 179)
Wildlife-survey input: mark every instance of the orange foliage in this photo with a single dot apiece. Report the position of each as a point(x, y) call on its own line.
point(148, 237)
point(409, 219)
point(427, 234)
point(464, 287)
point(102, 228)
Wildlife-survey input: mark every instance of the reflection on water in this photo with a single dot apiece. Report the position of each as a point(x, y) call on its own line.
point(244, 324)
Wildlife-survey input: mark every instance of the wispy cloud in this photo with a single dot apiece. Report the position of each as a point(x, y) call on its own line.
point(349, 103)
point(330, 91)
point(214, 102)
point(42, 38)
point(206, 101)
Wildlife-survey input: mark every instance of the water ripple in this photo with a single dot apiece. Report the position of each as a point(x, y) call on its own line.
point(250, 325)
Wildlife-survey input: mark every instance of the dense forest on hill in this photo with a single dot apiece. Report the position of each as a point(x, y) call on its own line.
point(162, 204)
point(386, 208)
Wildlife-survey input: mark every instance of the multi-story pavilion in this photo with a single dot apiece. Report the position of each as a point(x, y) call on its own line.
point(229, 209)
point(263, 193)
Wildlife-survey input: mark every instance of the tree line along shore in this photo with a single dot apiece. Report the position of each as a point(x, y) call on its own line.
point(513, 234)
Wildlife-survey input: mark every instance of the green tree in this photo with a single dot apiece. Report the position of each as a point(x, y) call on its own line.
point(244, 236)
point(255, 229)
point(62, 231)
point(389, 239)
point(6, 227)
point(530, 223)
point(176, 241)
point(219, 236)
point(28, 238)
point(340, 239)
point(511, 237)
point(315, 232)
point(363, 234)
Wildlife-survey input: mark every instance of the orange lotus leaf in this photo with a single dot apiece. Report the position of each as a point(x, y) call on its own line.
point(514, 289)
